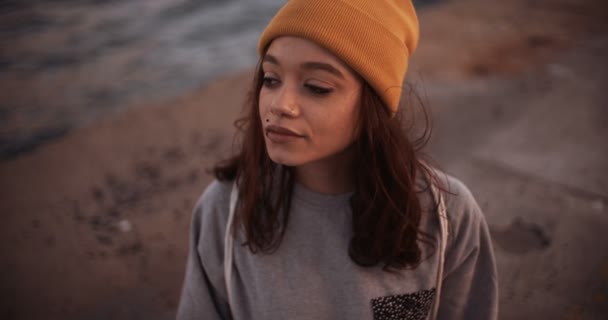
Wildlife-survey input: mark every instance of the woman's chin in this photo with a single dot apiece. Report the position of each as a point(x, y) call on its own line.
point(285, 159)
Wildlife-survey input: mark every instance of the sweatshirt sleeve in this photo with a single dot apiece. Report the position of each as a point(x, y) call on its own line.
point(203, 292)
point(470, 282)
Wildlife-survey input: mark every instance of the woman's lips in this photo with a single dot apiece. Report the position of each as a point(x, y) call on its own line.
point(278, 134)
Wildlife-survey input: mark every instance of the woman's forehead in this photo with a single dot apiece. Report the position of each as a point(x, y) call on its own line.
point(290, 49)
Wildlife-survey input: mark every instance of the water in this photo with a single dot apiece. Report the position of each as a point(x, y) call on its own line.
point(64, 64)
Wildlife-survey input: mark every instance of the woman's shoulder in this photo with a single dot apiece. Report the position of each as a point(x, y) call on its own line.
point(216, 193)
point(211, 209)
point(465, 217)
point(462, 209)
point(458, 197)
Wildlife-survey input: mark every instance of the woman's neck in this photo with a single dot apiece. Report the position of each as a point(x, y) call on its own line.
point(332, 175)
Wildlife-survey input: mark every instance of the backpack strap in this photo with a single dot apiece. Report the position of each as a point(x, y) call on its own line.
point(229, 243)
point(443, 243)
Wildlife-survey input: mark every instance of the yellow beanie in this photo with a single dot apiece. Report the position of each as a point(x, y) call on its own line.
point(374, 37)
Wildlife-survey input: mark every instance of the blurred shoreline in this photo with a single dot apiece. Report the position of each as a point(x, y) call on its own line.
point(67, 64)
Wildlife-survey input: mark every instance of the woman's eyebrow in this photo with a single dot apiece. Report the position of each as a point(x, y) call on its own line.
point(312, 65)
point(270, 58)
point(322, 66)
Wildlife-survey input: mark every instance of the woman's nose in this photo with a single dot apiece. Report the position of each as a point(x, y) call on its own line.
point(286, 102)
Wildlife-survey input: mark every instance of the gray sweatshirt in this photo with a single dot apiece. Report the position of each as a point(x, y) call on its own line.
point(311, 275)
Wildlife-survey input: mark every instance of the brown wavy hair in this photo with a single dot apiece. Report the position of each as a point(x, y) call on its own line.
point(385, 205)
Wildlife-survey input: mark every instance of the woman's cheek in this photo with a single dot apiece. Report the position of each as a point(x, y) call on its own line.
point(262, 103)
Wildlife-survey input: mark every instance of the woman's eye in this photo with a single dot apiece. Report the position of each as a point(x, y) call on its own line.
point(318, 90)
point(269, 82)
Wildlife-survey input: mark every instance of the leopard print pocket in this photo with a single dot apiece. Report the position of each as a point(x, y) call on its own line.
point(411, 306)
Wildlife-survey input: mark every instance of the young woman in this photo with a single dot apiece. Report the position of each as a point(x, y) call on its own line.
point(328, 212)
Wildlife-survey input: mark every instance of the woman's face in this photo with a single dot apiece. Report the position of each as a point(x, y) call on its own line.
point(308, 102)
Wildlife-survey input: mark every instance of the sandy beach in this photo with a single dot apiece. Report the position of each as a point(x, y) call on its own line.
point(95, 224)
